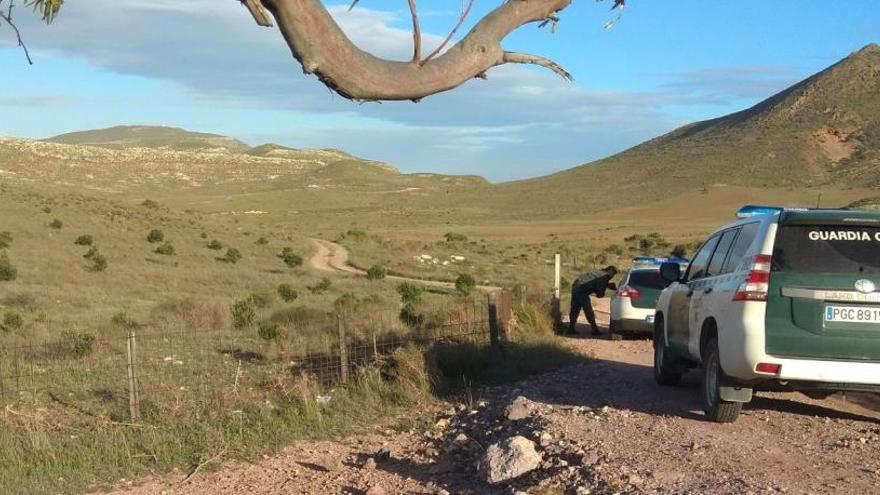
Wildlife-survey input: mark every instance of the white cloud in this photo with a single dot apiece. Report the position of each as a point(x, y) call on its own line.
point(213, 51)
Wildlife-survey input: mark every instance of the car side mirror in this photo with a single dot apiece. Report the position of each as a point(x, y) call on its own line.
point(670, 272)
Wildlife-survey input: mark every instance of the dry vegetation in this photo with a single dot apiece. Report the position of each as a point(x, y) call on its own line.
point(201, 246)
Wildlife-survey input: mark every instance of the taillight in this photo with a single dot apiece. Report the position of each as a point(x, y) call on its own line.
point(757, 282)
point(629, 291)
point(768, 368)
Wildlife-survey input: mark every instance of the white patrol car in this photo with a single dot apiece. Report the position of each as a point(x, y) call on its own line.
point(781, 299)
point(632, 305)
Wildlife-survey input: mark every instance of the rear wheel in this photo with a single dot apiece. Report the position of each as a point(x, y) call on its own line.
point(666, 370)
point(716, 409)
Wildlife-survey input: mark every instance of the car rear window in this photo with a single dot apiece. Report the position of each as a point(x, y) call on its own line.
point(646, 278)
point(827, 249)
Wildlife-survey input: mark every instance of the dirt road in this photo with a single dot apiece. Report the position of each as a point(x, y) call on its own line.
point(332, 257)
point(603, 426)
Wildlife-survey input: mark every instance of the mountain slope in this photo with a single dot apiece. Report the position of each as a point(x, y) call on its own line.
point(822, 131)
point(139, 136)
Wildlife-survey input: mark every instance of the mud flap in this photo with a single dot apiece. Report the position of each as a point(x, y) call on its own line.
point(735, 394)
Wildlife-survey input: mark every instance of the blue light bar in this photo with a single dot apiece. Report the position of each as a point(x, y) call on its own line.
point(652, 261)
point(756, 210)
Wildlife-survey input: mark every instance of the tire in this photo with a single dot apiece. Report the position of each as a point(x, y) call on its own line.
point(716, 409)
point(614, 326)
point(666, 369)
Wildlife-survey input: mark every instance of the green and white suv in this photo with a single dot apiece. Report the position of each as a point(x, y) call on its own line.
point(781, 299)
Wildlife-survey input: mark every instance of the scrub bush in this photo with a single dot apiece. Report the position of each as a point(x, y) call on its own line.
point(377, 272)
point(84, 240)
point(465, 284)
point(287, 293)
point(155, 235)
point(243, 313)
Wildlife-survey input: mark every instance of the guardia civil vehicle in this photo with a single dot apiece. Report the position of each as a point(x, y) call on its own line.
point(632, 305)
point(781, 299)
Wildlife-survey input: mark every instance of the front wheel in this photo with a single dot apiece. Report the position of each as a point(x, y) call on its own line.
point(716, 409)
point(666, 370)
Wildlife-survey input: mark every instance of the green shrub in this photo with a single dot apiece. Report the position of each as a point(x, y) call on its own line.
point(243, 313)
point(346, 302)
point(287, 293)
point(262, 241)
point(5, 240)
point(91, 253)
point(455, 237)
point(263, 298)
point(268, 330)
point(323, 286)
point(84, 240)
point(410, 316)
point(99, 263)
point(8, 271)
point(56, 224)
point(165, 249)
point(124, 321)
point(377, 272)
point(203, 235)
point(155, 235)
point(646, 244)
point(410, 293)
point(465, 284)
point(12, 320)
point(47, 210)
point(149, 203)
point(232, 256)
point(290, 258)
point(215, 245)
point(75, 344)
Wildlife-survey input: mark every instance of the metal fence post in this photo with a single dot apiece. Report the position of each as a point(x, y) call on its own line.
point(343, 349)
point(133, 399)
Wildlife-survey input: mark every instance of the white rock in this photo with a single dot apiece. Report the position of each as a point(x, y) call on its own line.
point(518, 409)
point(508, 460)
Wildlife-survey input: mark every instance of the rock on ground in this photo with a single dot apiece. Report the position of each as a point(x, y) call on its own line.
point(509, 459)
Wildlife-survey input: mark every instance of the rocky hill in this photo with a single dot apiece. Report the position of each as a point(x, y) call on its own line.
point(821, 132)
point(140, 136)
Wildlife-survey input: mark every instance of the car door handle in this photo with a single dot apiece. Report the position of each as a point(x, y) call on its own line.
point(708, 291)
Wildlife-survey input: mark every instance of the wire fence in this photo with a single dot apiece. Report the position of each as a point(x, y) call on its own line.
point(145, 372)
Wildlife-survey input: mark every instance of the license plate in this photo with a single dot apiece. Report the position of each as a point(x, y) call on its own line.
point(852, 314)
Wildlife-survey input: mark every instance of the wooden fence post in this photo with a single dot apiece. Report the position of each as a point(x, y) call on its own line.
point(505, 313)
point(494, 331)
point(134, 405)
point(343, 349)
point(555, 305)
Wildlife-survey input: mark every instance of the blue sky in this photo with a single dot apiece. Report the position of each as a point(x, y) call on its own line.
point(204, 65)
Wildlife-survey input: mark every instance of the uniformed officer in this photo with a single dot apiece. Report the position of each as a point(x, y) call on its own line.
point(588, 284)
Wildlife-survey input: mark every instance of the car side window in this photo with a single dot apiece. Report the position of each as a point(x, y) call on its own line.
point(747, 235)
point(721, 251)
point(701, 260)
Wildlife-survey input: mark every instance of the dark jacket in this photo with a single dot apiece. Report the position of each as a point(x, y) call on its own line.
point(592, 283)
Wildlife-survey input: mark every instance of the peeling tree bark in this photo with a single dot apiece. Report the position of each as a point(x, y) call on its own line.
point(319, 44)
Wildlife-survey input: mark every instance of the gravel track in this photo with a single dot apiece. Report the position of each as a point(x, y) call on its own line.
point(605, 427)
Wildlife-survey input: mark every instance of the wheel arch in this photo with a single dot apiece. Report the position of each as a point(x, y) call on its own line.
point(708, 331)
